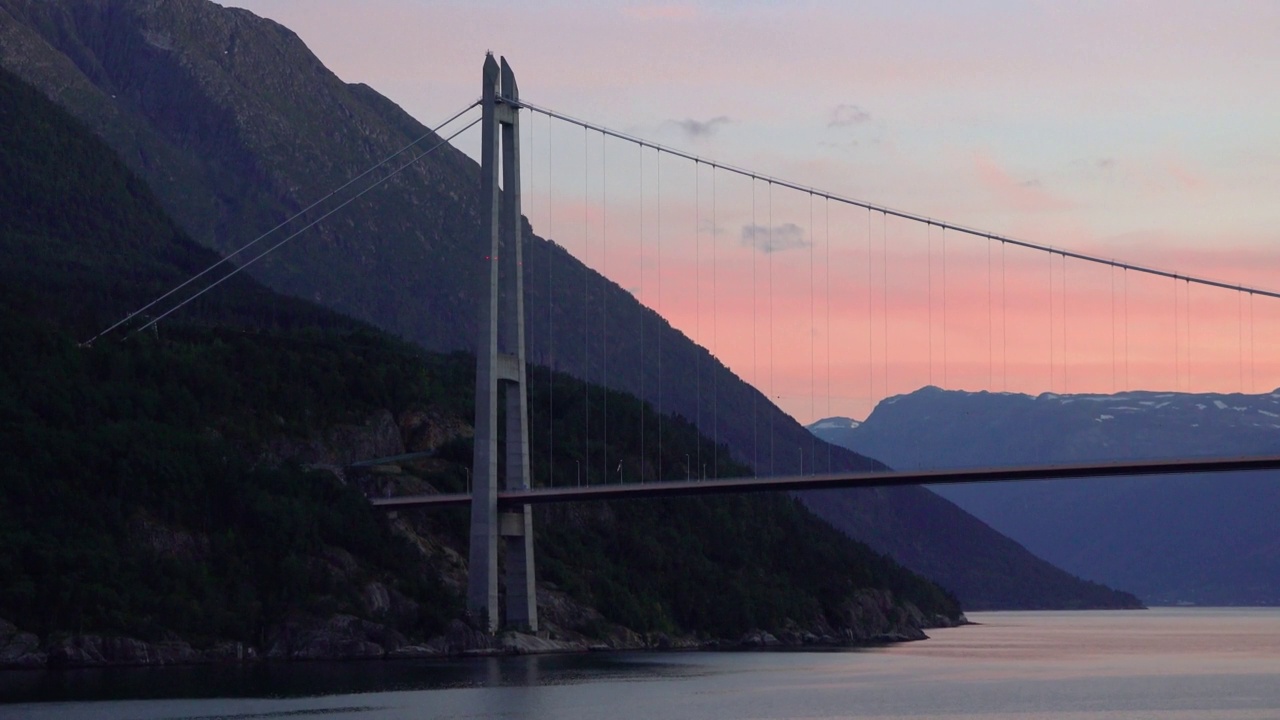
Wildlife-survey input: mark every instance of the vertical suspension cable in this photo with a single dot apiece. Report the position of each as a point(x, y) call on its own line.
point(928, 237)
point(1189, 343)
point(1051, 323)
point(1126, 328)
point(871, 292)
point(1177, 349)
point(884, 294)
point(1187, 295)
point(1240, 340)
point(1004, 320)
point(586, 302)
point(657, 179)
point(991, 342)
point(945, 362)
point(526, 164)
point(755, 344)
point(643, 364)
point(697, 304)
point(1111, 269)
point(1253, 364)
point(715, 339)
point(813, 328)
point(604, 298)
point(551, 338)
point(772, 390)
point(1065, 387)
point(827, 289)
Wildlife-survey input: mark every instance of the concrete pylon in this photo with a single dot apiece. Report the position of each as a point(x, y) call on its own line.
point(500, 372)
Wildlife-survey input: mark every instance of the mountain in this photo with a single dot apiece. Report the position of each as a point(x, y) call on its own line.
point(1210, 539)
point(833, 424)
point(235, 125)
point(133, 501)
point(187, 495)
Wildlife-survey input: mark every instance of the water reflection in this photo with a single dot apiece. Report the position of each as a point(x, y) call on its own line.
point(1161, 665)
point(284, 680)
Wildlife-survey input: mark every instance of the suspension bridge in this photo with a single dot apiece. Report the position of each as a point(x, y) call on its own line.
point(826, 304)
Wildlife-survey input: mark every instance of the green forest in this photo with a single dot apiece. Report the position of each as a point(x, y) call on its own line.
point(136, 500)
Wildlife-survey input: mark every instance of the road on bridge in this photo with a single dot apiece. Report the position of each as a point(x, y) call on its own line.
point(517, 498)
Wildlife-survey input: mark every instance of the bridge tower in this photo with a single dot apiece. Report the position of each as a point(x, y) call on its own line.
point(500, 372)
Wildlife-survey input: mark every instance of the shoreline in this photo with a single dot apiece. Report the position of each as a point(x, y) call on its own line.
point(91, 652)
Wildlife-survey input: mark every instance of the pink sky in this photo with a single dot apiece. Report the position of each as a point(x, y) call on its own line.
point(1141, 131)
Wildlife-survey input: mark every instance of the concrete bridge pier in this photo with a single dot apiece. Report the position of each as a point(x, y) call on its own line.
point(500, 373)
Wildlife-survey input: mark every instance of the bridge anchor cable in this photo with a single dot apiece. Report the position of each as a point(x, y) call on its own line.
point(227, 258)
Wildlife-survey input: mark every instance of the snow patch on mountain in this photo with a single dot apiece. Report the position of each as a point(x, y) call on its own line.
point(835, 423)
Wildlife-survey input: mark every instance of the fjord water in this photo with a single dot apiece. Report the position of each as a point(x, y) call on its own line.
point(1162, 664)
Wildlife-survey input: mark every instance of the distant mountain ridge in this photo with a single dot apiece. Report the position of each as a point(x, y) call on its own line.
point(1208, 540)
point(235, 125)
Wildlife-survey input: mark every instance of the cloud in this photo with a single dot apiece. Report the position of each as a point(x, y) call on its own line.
point(1021, 195)
point(848, 115)
point(787, 236)
point(699, 129)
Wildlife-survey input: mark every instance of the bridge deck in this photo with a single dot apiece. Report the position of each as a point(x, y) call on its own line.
point(842, 480)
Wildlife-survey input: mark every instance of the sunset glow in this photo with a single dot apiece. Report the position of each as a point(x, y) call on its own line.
point(1127, 131)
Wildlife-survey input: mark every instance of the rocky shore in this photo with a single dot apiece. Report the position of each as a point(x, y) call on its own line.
point(874, 618)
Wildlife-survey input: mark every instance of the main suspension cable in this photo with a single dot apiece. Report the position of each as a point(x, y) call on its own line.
point(295, 216)
point(915, 217)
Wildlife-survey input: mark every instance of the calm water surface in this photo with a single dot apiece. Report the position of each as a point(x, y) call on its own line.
point(1161, 664)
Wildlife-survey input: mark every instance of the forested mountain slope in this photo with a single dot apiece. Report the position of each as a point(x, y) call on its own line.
point(184, 495)
point(236, 125)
